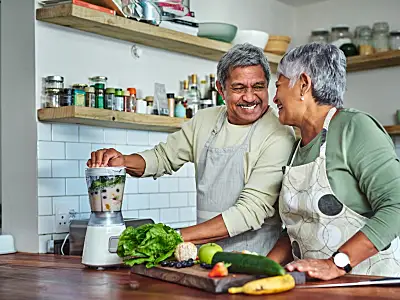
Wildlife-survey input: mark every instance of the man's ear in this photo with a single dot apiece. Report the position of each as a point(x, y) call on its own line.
point(220, 89)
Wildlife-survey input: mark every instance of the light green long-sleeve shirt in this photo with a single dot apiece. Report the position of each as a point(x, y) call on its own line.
point(363, 171)
point(269, 149)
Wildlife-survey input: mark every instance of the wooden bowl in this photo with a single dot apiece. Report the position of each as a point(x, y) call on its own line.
point(277, 44)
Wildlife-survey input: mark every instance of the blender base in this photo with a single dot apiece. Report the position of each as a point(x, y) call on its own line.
point(100, 247)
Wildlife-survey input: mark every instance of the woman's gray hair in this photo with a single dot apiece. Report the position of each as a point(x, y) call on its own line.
point(242, 55)
point(326, 66)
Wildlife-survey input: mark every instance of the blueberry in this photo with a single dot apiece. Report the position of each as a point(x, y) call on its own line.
point(164, 263)
point(171, 264)
point(208, 266)
point(203, 265)
point(184, 264)
point(190, 263)
point(178, 265)
point(190, 260)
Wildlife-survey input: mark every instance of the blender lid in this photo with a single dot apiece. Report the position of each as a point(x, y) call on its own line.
point(105, 171)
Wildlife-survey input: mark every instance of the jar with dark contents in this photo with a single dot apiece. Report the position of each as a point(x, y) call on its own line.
point(66, 97)
point(90, 97)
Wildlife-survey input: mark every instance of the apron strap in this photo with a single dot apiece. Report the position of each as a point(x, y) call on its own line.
point(294, 153)
point(328, 118)
point(217, 128)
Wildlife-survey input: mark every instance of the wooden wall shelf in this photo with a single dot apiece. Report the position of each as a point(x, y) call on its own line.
point(93, 21)
point(109, 118)
point(374, 61)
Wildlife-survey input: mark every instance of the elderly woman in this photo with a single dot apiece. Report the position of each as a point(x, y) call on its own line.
point(340, 196)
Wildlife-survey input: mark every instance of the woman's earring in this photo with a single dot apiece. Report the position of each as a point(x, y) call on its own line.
point(302, 97)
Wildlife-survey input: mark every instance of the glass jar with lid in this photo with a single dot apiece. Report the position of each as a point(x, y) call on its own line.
point(356, 36)
point(54, 82)
point(340, 35)
point(52, 98)
point(365, 43)
point(380, 33)
point(319, 35)
point(395, 40)
point(149, 100)
point(98, 79)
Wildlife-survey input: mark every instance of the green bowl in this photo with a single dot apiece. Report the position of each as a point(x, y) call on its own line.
point(217, 31)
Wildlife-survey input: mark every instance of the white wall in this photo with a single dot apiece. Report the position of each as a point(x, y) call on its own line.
point(374, 91)
point(64, 149)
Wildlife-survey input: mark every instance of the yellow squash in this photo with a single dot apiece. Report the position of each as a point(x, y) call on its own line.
point(269, 285)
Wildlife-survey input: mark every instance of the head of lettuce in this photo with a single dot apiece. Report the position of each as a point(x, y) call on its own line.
point(149, 243)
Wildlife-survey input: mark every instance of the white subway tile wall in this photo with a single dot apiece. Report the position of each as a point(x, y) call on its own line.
point(63, 150)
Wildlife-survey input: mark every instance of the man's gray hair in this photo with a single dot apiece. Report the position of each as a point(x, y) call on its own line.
point(326, 66)
point(242, 55)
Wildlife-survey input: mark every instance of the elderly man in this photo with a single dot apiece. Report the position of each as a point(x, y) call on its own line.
point(238, 151)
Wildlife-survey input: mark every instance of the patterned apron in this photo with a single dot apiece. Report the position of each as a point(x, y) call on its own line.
point(318, 223)
point(220, 180)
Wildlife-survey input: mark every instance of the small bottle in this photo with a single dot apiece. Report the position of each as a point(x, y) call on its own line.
point(203, 89)
point(213, 90)
point(119, 100)
point(90, 97)
point(127, 101)
point(132, 99)
point(66, 97)
point(109, 98)
point(180, 110)
point(99, 92)
point(171, 104)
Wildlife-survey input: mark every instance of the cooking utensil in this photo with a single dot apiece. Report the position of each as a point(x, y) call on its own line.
point(380, 281)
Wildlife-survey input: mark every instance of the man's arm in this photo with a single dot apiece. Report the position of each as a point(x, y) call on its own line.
point(282, 251)
point(255, 203)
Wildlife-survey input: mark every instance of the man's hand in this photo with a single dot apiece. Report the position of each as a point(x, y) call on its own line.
point(323, 269)
point(106, 158)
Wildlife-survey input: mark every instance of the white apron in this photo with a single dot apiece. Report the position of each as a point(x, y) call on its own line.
point(219, 181)
point(318, 223)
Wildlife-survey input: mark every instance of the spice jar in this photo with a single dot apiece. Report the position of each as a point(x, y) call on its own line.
point(99, 93)
point(340, 35)
point(54, 82)
point(119, 100)
point(395, 40)
point(180, 110)
point(356, 36)
point(380, 32)
point(319, 35)
point(52, 98)
point(78, 94)
point(127, 101)
point(365, 41)
point(132, 99)
point(109, 98)
point(171, 104)
point(149, 103)
point(205, 103)
point(98, 79)
point(66, 97)
point(90, 97)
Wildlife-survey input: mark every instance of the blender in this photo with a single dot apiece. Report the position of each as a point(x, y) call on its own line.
point(106, 191)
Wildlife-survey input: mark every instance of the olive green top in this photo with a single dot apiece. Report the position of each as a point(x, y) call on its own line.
point(363, 171)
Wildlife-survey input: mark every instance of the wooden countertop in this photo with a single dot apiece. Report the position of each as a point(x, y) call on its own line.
point(34, 276)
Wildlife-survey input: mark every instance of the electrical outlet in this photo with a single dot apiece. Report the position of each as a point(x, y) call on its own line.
point(61, 218)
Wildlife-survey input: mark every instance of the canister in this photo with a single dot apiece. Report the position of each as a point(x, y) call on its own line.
point(171, 104)
point(54, 82)
point(119, 100)
point(90, 97)
point(109, 98)
point(66, 97)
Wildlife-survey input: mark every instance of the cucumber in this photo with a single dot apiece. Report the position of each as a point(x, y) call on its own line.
point(249, 264)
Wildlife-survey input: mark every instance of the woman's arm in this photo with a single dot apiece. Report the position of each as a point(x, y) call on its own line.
point(282, 251)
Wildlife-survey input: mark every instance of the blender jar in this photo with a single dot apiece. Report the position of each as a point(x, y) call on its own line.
point(106, 188)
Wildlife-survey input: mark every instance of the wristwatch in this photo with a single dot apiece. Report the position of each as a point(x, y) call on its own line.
point(342, 261)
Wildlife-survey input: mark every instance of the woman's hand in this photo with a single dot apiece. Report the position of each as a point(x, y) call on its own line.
point(323, 269)
point(106, 158)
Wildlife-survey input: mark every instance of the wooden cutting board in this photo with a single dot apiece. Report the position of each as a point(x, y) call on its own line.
point(195, 277)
